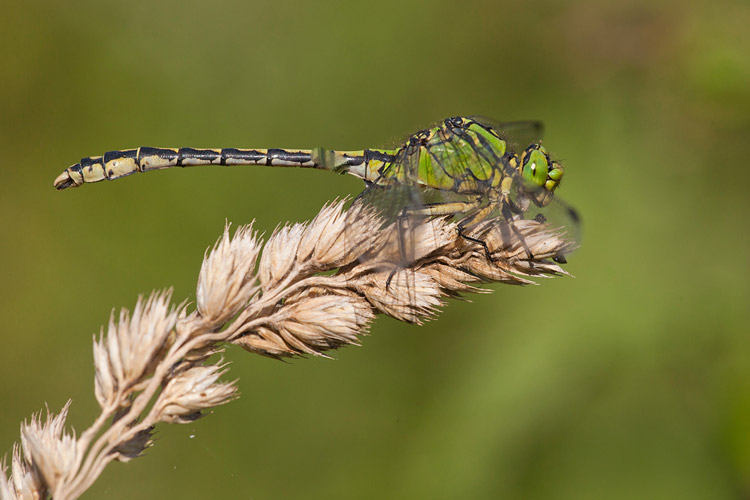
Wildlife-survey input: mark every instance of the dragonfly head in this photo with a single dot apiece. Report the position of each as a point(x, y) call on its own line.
point(541, 173)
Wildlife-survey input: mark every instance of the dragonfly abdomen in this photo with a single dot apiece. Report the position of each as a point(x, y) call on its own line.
point(115, 164)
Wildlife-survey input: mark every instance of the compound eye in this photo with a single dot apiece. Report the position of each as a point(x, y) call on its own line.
point(535, 165)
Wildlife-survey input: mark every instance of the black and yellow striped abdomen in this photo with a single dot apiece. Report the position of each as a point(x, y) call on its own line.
point(115, 164)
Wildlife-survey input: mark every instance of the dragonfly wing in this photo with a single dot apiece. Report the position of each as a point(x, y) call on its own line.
point(556, 213)
point(406, 237)
point(526, 196)
point(519, 134)
point(470, 160)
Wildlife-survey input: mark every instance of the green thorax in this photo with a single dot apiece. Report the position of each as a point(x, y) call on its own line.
point(459, 155)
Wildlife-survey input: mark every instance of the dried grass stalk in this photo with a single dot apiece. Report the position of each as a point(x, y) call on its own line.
point(317, 286)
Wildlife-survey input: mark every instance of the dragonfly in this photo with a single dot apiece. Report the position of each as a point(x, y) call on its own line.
point(469, 168)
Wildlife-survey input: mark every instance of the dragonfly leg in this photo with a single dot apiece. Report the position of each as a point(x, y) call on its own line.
point(448, 208)
point(509, 207)
point(401, 222)
point(430, 210)
point(478, 216)
point(477, 210)
point(507, 210)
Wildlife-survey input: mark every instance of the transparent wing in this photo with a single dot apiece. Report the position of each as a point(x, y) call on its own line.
point(531, 201)
point(518, 134)
point(454, 162)
point(470, 160)
point(556, 213)
point(397, 188)
point(405, 238)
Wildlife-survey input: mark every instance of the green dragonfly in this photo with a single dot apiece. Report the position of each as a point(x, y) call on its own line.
point(469, 168)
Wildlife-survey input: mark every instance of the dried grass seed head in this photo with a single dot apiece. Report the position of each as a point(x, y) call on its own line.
point(24, 482)
point(336, 238)
point(133, 344)
point(317, 324)
point(279, 255)
point(308, 323)
point(227, 281)
point(193, 390)
point(48, 448)
point(405, 294)
point(266, 342)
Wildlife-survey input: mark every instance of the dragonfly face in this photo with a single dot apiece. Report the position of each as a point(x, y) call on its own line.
point(541, 173)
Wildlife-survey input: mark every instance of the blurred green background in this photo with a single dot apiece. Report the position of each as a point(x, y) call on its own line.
point(634, 383)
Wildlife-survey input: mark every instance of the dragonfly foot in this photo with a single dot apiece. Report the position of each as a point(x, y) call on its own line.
point(390, 278)
point(482, 243)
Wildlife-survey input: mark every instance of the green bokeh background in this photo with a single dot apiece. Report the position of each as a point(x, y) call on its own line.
point(630, 381)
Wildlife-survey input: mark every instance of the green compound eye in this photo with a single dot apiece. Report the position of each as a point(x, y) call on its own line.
point(535, 165)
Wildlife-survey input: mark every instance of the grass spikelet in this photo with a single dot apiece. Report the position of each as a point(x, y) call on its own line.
point(315, 287)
